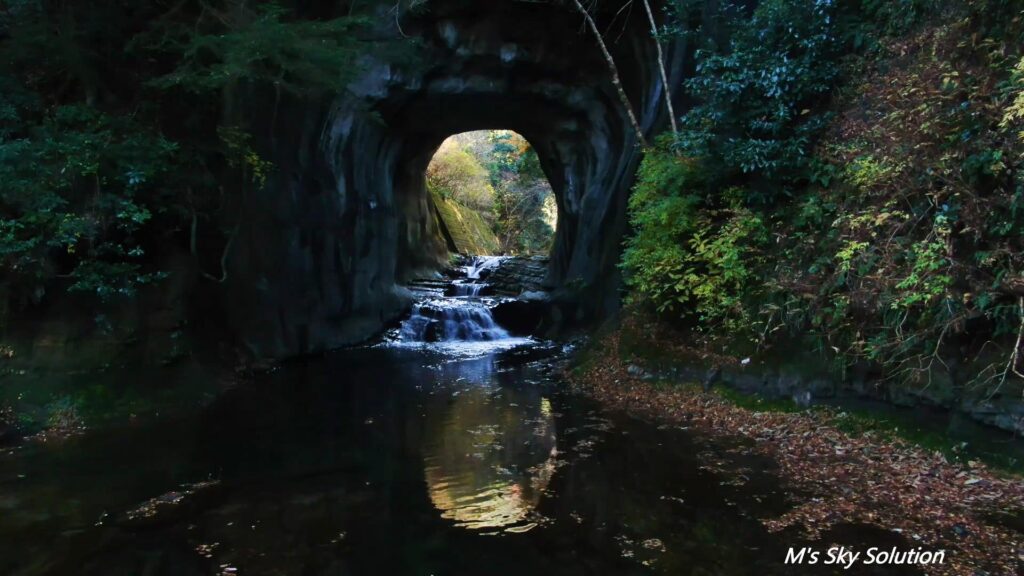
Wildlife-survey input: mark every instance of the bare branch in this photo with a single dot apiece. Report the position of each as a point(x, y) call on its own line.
point(398, 15)
point(1011, 366)
point(614, 71)
point(661, 68)
point(224, 257)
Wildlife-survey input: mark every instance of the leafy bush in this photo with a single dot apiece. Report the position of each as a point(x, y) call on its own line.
point(114, 135)
point(697, 206)
point(884, 221)
point(757, 98)
point(1014, 114)
point(75, 191)
point(687, 258)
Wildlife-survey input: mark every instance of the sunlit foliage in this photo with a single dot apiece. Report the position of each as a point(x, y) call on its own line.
point(456, 174)
point(525, 210)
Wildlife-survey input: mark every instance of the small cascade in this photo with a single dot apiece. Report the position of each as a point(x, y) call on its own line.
point(475, 271)
point(463, 316)
point(481, 266)
point(471, 289)
point(451, 320)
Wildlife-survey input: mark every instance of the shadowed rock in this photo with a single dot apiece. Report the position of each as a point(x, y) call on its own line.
point(346, 216)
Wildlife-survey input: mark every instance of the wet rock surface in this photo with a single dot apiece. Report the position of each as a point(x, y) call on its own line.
point(521, 317)
point(519, 275)
point(1002, 412)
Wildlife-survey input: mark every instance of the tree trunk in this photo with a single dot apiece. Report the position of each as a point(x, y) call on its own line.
point(614, 71)
point(661, 67)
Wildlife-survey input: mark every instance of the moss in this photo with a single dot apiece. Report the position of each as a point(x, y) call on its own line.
point(756, 402)
point(887, 427)
point(467, 227)
point(644, 342)
point(892, 427)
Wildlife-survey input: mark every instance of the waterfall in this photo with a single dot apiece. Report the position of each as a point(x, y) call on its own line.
point(464, 316)
point(480, 264)
point(449, 321)
point(471, 289)
point(475, 272)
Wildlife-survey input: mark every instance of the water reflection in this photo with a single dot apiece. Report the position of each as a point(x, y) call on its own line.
point(489, 452)
point(396, 461)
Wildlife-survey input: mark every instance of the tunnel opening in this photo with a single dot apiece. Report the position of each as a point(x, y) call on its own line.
point(491, 195)
point(325, 252)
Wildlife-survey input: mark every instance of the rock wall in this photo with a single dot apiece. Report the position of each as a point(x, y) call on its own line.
point(464, 229)
point(519, 275)
point(319, 252)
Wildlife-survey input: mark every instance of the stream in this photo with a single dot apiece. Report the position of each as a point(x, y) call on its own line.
point(449, 449)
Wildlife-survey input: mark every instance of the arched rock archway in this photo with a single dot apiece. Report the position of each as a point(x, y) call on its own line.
point(322, 249)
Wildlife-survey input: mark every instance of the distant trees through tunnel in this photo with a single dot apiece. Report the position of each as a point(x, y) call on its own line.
point(492, 195)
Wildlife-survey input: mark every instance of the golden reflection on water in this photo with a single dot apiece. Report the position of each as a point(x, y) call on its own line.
point(489, 458)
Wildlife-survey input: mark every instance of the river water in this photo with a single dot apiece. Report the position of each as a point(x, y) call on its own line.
point(450, 457)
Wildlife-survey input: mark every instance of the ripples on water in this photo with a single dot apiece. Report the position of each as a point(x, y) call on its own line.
point(464, 350)
point(442, 458)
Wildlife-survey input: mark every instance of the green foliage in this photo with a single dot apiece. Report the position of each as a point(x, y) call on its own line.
point(697, 209)
point(120, 128)
point(885, 221)
point(686, 257)
point(469, 230)
point(497, 173)
point(757, 97)
point(524, 204)
point(1014, 114)
point(663, 214)
point(63, 414)
point(238, 150)
point(868, 172)
point(851, 249)
point(263, 46)
point(897, 16)
point(456, 174)
point(75, 191)
point(926, 281)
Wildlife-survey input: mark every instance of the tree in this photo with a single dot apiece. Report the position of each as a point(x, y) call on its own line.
point(524, 203)
point(115, 131)
point(262, 45)
point(456, 174)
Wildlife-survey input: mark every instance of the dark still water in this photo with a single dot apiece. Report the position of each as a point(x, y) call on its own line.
point(448, 460)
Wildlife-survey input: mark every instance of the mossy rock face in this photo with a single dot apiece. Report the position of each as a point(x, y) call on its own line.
point(466, 227)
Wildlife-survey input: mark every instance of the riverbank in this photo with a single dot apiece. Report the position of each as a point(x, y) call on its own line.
point(835, 474)
point(42, 405)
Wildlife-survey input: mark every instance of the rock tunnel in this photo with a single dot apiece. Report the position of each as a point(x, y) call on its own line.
point(322, 250)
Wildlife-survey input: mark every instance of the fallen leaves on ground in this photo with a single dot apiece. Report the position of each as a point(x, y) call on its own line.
point(836, 477)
